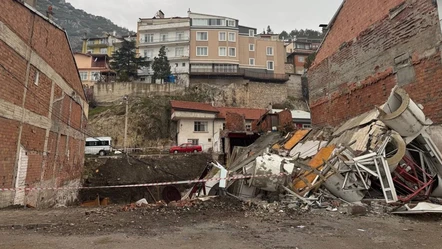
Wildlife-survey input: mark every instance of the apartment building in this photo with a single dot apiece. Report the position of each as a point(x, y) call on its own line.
point(107, 44)
point(219, 46)
point(174, 34)
point(94, 68)
point(298, 51)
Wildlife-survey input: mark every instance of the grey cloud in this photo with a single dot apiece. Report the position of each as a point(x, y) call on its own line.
point(279, 14)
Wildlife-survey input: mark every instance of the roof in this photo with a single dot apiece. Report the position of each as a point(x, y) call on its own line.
point(216, 16)
point(193, 106)
point(248, 113)
point(296, 114)
point(92, 55)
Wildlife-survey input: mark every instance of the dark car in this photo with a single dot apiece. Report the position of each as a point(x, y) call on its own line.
point(186, 148)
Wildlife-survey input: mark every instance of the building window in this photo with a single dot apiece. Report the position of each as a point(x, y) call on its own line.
point(301, 59)
point(201, 36)
point(164, 37)
point(184, 64)
point(217, 22)
point(269, 50)
point(200, 126)
point(270, 65)
point(251, 32)
point(222, 51)
point(232, 37)
point(222, 36)
point(90, 51)
point(231, 23)
point(148, 53)
point(90, 42)
point(83, 75)
point(224, 126)
point(232, 52)
point(148, 38)
point(306, 126)
point(251, 47)
point(248, 127)
point(202, 51)
point(193, 141)
point(225, 68)
point(180, 36)
point(251, 61)
point(95, 76)
point(179, 51)
point(103, 51)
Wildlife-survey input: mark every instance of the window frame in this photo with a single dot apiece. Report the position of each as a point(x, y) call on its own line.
point(234, 37)
point(146, 38)
point(201, 124)
point(181, 49)
point(301, 57)
point(267, 51)
point(253, 47)
point(225, 35)
point(207, 49)
point(251, 33)
point(250, 60)
point(219, 51)
point(84, 73)
point(229, 22)
point(228, 52)
point(273, 65)
point(202, 32)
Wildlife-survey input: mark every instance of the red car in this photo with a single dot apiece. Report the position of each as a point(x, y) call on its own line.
point(185, 148)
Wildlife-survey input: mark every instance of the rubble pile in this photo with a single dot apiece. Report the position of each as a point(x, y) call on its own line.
point(386, 154)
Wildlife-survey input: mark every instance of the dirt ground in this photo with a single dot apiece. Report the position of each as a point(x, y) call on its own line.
point(219, 223)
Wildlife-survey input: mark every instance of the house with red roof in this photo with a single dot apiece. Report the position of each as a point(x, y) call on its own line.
point(204, 124)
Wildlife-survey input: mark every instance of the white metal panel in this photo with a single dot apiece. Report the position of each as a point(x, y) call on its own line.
point(20, 181)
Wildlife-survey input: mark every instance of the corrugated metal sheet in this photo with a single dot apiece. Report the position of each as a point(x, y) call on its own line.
point(307, 149)
point(316, 163)
point(298, 136)
point(365, 118)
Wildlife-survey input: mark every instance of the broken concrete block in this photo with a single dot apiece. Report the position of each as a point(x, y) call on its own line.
point(357, 210)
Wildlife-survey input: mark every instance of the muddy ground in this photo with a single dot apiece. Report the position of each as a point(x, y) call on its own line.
point(137, 170)
point(219, 223)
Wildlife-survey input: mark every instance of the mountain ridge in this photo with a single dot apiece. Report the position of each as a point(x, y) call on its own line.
point(78, 23)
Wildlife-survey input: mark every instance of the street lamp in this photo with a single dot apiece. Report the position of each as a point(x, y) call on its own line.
point(126, 99)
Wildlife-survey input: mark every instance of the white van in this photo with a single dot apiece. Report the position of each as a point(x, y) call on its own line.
point(98, 146)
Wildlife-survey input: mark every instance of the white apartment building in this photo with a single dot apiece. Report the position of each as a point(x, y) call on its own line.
point(174, 34)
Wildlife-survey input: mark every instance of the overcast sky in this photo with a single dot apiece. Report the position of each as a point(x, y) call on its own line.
point(279, 14)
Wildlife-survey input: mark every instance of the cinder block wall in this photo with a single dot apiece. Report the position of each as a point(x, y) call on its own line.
point(42, 107)
point(372, 46)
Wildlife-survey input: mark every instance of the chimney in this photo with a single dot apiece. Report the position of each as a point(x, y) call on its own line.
point(188, 11)
point(49, 12)
point(32, 3)
point(160, 14)
point(324, 28)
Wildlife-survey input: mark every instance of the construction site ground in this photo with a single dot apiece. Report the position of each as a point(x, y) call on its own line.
point(219, 223)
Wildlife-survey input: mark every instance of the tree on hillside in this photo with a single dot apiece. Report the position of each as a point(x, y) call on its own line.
point(161, 66)
point(126, 63)
point(309, 33)
point(284, 35)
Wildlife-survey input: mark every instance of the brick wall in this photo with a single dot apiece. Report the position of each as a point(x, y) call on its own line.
point(354, 18)
point(49, 132)
point(400, 48)
point(8, 150)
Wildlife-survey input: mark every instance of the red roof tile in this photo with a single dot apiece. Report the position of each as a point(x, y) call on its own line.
point(194, 106)
point(248, 113)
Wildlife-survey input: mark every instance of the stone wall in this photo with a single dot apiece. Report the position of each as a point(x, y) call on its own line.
point(115, 91)
point(245, 93)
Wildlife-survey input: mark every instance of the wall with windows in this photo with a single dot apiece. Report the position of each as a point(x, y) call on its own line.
point(202, 130)
point(158, 36)
point(212, 46)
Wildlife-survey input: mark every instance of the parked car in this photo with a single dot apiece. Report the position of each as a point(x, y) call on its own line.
point(185, 148)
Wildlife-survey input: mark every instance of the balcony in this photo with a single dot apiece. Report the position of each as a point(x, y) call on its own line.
point(239, 72)
point(164, 26)
point(98, 45)
point(180, 39)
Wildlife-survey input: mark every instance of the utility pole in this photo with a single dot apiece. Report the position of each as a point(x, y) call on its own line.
point(126, 99)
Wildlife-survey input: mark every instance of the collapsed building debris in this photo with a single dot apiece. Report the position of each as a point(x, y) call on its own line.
point(386, 153)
